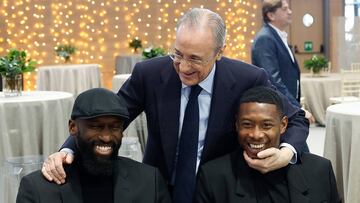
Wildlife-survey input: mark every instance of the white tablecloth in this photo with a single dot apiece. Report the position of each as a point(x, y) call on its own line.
point(124, 64)
point(342, 143)
point(137, 128)
point(317, 91)
point(34, 123)
point(68, 78)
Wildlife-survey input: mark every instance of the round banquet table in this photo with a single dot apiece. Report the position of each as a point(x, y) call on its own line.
point(34, 123)
point(124, 64)
point(74, 78)
point(317, 91)
point(342, 142)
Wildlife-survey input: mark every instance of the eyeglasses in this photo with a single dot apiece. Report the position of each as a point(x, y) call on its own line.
point(192, 62)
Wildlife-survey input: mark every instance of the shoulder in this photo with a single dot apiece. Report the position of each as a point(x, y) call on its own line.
point(154, 64)
point(219, 167)
point(314, 163)
point(264, 33)
point(232, 68)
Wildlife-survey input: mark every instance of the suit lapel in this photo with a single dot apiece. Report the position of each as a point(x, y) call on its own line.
point(71, 190)
point(168, 95)
point(298, 187)
point(122, 188)
point(222, 99)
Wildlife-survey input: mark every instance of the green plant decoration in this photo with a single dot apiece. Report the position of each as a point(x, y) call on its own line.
point(135, 44)
point(15, 63)
point(65, 51)
point(151, 52)
point(316, 63)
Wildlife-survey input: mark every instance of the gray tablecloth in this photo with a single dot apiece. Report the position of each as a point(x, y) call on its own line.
point(342, 142)
point(124, 64)
point(317, 91)
point(68, 78)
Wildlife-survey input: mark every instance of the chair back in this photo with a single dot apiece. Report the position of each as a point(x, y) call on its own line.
point(355, 66)
point(350, 83)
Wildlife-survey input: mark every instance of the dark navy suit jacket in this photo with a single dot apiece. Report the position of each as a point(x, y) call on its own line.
point(155, 87)
point(270, 53)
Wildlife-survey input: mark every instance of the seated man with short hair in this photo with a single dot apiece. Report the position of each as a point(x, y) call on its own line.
point(98, 174)
point(260, 122)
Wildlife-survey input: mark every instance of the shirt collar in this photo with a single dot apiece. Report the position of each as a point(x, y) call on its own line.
point(208, 82)
point(282, 34)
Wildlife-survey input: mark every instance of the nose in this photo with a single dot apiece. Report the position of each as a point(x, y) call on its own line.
point(256, 133)
point(184, 65)
point(105, 135)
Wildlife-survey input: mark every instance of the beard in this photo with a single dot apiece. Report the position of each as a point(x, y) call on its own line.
point(95, 164)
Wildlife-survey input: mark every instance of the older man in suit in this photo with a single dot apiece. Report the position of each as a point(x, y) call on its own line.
point(98, 174)
point(187, 129)
point(260, 124)
point(270, 51)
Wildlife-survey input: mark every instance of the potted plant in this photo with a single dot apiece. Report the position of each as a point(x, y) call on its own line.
point(316, 64)
point(151, 52)
point(65, 51)
point(11, 68)
point(135, 44)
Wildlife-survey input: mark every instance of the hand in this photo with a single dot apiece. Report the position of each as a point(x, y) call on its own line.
point(270, 159)
point(53, 169)
point(309, 116)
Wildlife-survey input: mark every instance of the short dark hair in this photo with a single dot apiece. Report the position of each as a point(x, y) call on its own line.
point(262, 94)
point(270, 6)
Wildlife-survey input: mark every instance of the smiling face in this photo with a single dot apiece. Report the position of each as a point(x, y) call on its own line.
point(259, 127)
point(195, 44)
point(98, 141)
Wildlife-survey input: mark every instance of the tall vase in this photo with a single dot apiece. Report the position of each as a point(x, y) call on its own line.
point(12, 85)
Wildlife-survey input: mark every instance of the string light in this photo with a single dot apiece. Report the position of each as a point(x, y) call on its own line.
point(102, 30)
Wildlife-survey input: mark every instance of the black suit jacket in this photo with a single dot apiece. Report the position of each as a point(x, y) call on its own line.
point(133, 182)
point(269, 52)
point(227, 179)
point(155, 87)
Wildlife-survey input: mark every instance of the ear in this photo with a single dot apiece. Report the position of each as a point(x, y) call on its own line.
point(283, 124)
point(220, 53)
point(271, 16)
point(73, 129)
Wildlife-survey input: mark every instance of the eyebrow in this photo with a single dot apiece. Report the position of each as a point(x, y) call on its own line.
point(192, 56)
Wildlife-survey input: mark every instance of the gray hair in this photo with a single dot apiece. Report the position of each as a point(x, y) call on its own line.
point(196, 17)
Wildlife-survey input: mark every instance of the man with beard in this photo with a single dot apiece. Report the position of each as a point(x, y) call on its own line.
point(98, 174)
point(260, 122)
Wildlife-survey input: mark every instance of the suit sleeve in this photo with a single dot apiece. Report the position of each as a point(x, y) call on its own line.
point(298, 127)
point(27, 193)
point(133, 93)
point(162, 193)
point(203, 194)
point(264, 56)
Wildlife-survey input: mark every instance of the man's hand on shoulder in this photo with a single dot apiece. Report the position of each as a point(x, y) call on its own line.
point(270, 159)
point(53, 169)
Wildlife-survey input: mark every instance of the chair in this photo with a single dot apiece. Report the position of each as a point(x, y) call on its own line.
point(355, 66)
point(350, 87)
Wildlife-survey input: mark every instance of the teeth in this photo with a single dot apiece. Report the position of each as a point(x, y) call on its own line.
point(103, 148)
point(257, 146)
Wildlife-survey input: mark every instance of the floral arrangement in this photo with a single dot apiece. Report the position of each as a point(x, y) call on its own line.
point(316, 63)
point(135, 44)
point(15, 63)
point(151, 52)
point(65, 51)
